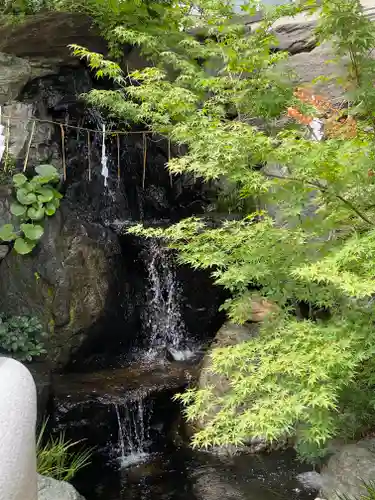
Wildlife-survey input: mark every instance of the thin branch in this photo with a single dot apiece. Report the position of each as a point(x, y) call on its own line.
point(324, 190)
point(75, 127)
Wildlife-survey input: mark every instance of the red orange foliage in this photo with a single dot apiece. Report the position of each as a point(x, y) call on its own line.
point(335, 125)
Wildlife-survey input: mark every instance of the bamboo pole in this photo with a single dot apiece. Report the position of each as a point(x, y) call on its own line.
point(75, 127)
point(29, 146)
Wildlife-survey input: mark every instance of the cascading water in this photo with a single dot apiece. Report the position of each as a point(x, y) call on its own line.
point(133, 431)
point(162, 315)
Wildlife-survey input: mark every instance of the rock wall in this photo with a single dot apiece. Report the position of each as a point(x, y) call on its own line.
point(308, 59)
point(80, 280)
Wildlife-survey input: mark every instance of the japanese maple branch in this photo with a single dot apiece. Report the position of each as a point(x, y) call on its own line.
point(324, 190)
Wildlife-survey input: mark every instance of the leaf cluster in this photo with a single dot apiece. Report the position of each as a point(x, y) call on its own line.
point(56, 457)
point(21, 337)
point(35, 199)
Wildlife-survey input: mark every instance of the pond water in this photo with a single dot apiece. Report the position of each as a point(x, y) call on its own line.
point(182, 474)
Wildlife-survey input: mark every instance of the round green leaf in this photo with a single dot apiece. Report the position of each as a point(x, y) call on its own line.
point(45, 194)
point(50, 209)
point(25, 198)
point(7, 233)
point(19, 180)
point(56, 203)
point(24, 246)
point(17, 209)
point(57, 195)
point(36, 213)
point(47, 171)
point(32, 231)
point(42, 181)
point(29, 187)
point(37, 181)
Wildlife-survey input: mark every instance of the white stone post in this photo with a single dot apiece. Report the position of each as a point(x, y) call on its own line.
point(18, 478)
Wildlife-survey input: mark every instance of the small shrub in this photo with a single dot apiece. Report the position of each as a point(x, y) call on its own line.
point(21, 337)
point(56, 458)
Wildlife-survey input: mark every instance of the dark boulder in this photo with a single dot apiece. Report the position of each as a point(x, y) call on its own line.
point(46, 37)
point(70, 281)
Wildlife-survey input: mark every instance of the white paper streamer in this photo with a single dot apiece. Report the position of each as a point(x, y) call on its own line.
point(317, 129)
point(2, 137)
point(104, 160)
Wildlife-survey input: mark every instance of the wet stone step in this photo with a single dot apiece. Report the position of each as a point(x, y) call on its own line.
point(130, 382)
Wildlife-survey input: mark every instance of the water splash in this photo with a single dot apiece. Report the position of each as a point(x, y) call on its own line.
point(133, 431)
point(162, 314)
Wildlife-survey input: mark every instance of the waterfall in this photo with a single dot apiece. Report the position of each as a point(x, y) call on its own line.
point(133, 420)
point(162, 315)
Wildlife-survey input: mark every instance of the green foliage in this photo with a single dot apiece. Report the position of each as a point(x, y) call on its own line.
point(221, 96)
point(368, 493)
point(35, 199)
point(57, 459)
point(21, 337)
point(17, 11)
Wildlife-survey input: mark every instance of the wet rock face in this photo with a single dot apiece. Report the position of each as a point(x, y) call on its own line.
point(135, 380)
point(79, 280)
point(15, 73)
point(41, 373)
point(5, 201)
point(70, 282)
point(200, 303)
